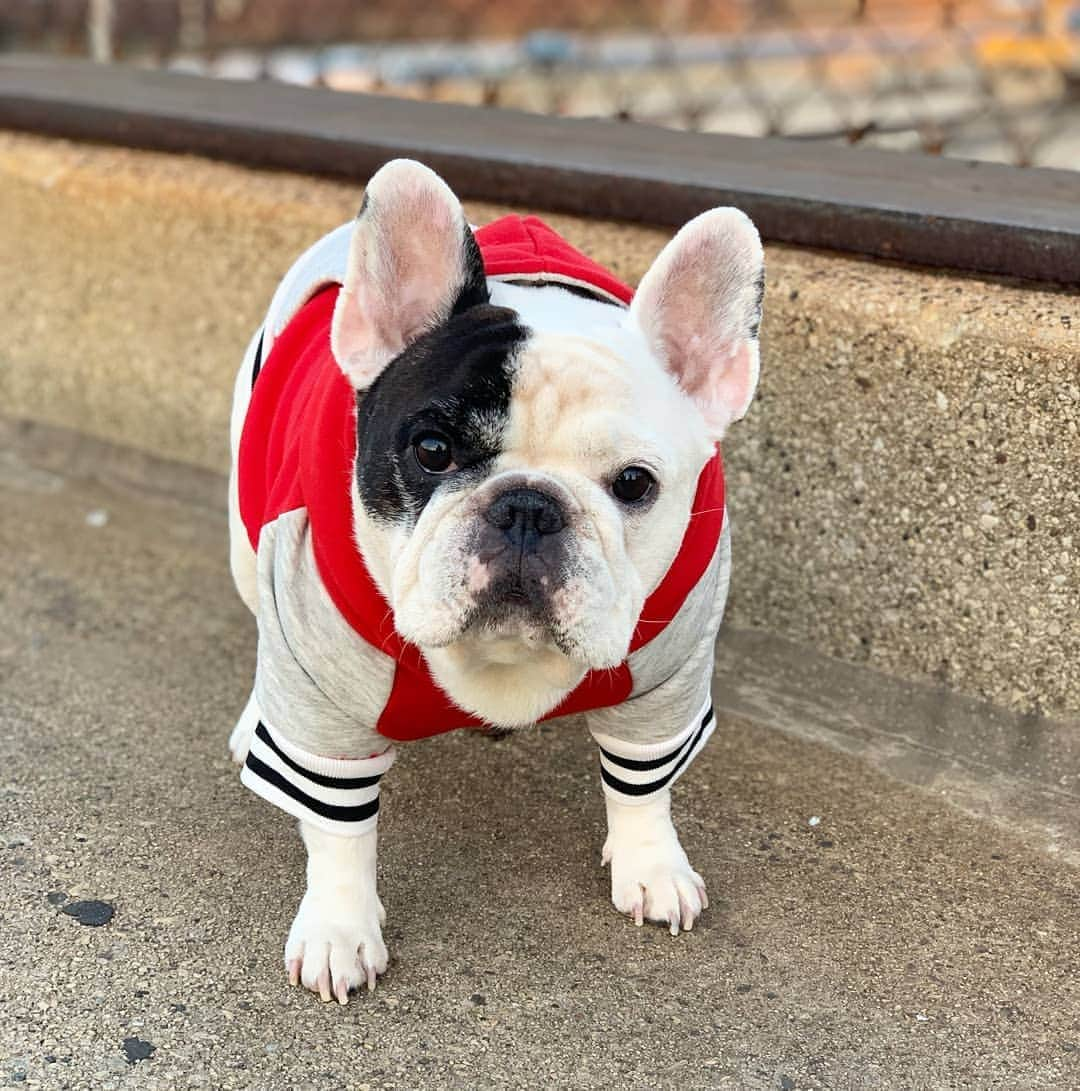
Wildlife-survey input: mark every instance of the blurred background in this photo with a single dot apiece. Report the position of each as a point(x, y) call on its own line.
point(987, 79)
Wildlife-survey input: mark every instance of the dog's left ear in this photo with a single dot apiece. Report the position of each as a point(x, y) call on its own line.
point(412, 262)
point(699, 306)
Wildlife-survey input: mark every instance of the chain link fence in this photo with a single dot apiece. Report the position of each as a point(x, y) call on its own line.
point(983, 79)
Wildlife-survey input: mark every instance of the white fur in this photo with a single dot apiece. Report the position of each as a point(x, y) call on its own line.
point(335, 943)
point(651, 878)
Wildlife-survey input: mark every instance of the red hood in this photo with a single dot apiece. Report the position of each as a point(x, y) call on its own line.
point(525, 248)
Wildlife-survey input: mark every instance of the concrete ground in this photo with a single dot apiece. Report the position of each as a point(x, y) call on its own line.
point(923, 934)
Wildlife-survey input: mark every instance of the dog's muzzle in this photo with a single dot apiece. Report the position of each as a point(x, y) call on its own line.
point(523, 547)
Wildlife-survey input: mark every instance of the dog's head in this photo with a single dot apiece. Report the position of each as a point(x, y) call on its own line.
point(527, 458)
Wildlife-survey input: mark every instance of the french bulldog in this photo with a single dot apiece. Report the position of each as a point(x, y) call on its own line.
point(476, 482)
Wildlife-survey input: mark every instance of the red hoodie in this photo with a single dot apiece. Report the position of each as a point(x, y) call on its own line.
point(298, 449)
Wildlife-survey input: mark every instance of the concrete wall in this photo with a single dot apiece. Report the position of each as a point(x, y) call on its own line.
point(903, 493)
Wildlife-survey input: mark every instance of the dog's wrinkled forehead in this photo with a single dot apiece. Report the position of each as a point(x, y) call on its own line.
point(456, 380)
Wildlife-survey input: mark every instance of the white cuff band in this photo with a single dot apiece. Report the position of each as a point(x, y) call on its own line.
point(337, 795)
point(637, 773)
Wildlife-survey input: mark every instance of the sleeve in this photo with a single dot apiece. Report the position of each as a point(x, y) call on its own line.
point(636, 773)
point(319, 689)
point(338, 795)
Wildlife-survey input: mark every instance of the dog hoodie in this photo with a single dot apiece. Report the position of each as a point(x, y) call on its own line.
point(329, 656)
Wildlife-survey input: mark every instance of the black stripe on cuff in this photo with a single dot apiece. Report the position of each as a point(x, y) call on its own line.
point(629, 789)
point(316, 806)
point(322, 779)
point(640, 765)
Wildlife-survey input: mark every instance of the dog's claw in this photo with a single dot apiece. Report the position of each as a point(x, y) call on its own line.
point(342, 992)
point(293, 966)
point(686, 912)
point(372, 978)
point(324, 986)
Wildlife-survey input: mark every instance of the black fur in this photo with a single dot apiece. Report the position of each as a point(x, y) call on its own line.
point(455, 379)
point(475, 290)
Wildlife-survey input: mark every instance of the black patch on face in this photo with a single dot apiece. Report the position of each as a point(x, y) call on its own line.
point(455, 380)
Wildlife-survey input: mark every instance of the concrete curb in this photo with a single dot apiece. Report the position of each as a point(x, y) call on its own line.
point(899, 491)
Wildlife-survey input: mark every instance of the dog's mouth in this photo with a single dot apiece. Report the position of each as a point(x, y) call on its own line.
point(510, 613)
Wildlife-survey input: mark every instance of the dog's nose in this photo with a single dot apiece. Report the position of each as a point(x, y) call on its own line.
point(525, 514)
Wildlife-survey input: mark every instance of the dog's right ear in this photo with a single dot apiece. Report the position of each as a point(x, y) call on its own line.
point(413, 262)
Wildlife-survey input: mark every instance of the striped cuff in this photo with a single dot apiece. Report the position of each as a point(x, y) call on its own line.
point(637, 773)
point(338, 795)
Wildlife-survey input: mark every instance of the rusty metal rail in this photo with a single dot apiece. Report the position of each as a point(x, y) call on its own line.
point(978, 217)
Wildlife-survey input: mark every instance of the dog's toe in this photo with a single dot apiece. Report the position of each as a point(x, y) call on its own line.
point(334, 957)
point(658, 885)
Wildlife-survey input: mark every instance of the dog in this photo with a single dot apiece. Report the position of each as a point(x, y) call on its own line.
point(476, 482)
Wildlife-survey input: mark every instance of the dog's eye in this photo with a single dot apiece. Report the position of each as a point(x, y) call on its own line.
point(633, 485)
point(434, 453)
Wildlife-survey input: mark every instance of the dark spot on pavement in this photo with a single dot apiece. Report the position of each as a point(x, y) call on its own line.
point(742, 988)
point(93, 913)
point(478, 998)
point(787, 1083)
point(56, 897)
point(137, 1050)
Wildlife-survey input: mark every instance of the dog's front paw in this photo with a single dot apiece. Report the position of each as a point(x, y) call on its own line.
point(651, 878)
point(332, 950)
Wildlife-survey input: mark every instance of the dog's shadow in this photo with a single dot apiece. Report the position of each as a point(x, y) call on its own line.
point(518, 815)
